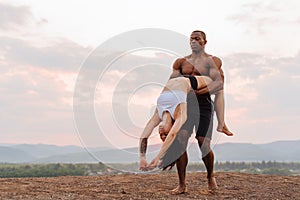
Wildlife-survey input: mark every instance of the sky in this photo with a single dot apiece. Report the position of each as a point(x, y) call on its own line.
point(45, 46)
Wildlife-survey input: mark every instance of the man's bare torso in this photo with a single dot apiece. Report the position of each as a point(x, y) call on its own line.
point(195, 66)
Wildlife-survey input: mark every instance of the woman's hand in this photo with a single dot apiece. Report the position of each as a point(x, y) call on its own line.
point(143, 164)
point(154, 163)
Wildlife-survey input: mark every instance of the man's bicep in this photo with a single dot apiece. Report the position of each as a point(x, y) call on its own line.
point(217, 83)
point(176, 68)
point(177, 64)
point(214, 72)
point(217, 61)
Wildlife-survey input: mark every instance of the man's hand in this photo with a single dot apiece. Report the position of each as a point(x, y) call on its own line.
point(143, 164)
point(201, 91)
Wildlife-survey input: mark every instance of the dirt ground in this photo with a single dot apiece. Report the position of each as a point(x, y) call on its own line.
point(151, 186)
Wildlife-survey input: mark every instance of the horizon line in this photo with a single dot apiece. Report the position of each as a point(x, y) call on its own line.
point(78, 145)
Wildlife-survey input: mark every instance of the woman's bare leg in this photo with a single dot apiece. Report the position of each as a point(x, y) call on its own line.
point(220, 112)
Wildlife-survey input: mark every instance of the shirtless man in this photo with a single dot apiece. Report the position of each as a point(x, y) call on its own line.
point(198, 63)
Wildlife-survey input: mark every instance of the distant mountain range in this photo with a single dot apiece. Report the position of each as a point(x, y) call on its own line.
point(42, 153)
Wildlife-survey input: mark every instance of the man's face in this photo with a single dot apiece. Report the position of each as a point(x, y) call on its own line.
point(196, 41)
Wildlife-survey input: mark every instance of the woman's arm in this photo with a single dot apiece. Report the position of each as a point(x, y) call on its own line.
point(179, 121)
point(152, 123)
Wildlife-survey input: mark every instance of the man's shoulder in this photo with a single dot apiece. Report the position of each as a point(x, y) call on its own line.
point(182, 59)
point(216, 58)
point(217, 61)
point(178, 62)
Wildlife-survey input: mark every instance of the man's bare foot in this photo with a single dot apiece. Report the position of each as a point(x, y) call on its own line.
point(212, 184)
point(179, 190)
point(225, 130)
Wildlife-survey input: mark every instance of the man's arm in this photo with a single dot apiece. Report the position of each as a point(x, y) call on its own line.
point(217, 83)
point(152, 123)
point(218, 63)
point(176, 68)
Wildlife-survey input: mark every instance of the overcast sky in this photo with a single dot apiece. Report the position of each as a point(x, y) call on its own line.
point(45, 44)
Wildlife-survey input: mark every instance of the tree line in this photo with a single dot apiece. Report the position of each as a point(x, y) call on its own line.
point(49, 170)
point(8, 170)
point(264, 167)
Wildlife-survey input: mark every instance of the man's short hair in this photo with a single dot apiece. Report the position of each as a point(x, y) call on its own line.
point(202, 34)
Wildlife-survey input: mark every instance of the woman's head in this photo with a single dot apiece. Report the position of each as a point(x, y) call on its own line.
point(165, 125)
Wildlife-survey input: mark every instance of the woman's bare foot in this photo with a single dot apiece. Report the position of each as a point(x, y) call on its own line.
point(212, 184)
point(179, 190)
point(224, 129)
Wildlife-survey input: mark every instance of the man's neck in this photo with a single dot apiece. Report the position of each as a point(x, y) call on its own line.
point(196, 54)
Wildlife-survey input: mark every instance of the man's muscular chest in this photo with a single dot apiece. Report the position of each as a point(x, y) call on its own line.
point(195, 67)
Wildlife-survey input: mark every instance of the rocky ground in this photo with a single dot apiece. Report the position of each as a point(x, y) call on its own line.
point(151, 186)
